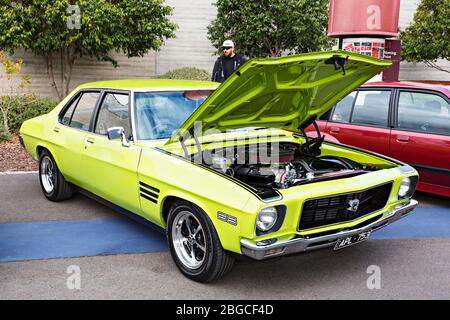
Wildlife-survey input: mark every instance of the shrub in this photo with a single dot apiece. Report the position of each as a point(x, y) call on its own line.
point(24, 108)
point(4, 135)
point(187, 73)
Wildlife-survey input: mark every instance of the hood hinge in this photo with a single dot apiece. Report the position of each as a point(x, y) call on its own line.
point(339, 63)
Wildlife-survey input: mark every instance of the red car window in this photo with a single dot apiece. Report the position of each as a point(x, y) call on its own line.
point(423, 112)
point(372, 108)
point(343, 109)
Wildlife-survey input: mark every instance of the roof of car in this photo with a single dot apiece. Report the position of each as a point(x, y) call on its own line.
point(150, 84)
point(411, 84)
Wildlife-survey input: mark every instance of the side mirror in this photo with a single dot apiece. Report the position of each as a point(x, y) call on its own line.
point(118, 133)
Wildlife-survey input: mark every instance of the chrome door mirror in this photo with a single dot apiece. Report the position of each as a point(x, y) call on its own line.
point(118, 133)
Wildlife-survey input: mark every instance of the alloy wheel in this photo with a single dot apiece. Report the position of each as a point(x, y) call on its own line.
point(188, 239)
point(48, 176)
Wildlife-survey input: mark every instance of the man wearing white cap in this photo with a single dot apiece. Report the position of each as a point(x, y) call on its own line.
point(228, 63)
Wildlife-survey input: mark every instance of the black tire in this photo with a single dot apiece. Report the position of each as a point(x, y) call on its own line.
point(216, 263)
point(59, 189)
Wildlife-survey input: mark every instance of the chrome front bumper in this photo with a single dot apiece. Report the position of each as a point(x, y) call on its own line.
point(298, 245)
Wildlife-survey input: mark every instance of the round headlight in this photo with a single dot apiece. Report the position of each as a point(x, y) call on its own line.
point(405, 186)
point(266, 219)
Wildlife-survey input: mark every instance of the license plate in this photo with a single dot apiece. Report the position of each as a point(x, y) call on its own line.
point(351, 240)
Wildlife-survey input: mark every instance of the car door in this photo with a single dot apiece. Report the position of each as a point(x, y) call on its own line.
point(421, 136)
point(110, 168)
point(69, 133)
point(362, 119)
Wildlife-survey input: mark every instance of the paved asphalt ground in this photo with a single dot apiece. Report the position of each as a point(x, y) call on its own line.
point(412, 266)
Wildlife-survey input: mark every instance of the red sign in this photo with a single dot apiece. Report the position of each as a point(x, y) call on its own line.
point(392, 52)
point(363, 17)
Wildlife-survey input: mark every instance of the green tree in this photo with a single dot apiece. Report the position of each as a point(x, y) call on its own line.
point(67, 29)
point(428, 37)
point(268, 28)
point(16, 83)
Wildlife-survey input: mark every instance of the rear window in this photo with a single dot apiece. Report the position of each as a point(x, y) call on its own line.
point(423, 112)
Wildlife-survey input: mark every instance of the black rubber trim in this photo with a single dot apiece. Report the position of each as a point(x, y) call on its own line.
point(431, 169)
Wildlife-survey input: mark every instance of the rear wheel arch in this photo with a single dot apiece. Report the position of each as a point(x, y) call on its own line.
point(53, 184)
point(40, 149)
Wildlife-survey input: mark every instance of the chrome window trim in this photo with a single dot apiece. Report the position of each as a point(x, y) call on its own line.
point(98, 107)
point(76, 97)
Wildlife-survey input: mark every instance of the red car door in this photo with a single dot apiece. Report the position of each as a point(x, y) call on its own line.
point(422, 138)
point(362, 119)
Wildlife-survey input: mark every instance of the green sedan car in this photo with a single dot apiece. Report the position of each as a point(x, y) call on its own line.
point(226, 170)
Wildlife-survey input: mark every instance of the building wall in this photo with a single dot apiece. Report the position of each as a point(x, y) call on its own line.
point(190, 48)
point(85, 70)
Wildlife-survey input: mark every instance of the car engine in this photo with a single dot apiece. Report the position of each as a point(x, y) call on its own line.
point(279, 166)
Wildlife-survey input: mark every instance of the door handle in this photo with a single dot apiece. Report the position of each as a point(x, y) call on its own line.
point(90, 140)
point(56, 129)
point(335, 129)
point(402, 139)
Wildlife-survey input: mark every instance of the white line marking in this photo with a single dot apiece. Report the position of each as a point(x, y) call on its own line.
point(17, 172)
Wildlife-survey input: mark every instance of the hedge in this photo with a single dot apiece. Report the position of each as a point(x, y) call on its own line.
point(187, 73)
point(24, 108)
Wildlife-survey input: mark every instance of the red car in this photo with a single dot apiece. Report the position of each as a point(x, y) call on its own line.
point(407, 121)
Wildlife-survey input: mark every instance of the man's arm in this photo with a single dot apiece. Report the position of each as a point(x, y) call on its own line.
point(215, 71)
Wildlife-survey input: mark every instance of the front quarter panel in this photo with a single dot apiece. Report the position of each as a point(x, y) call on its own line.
point(173, 176)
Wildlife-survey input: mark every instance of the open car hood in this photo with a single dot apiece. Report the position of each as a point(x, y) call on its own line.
point(288, 92)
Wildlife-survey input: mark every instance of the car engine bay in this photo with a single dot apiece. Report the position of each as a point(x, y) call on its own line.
point(279, 165)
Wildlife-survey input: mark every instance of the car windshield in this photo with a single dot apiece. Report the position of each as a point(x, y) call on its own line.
point(159, 114)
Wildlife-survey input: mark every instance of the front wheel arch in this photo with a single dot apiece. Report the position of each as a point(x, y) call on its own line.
point(169, 201)
point(217, 261)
